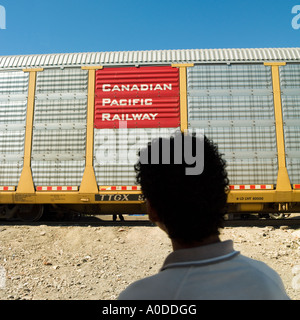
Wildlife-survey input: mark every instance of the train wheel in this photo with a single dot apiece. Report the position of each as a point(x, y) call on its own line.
point(10, 211)
point(31, 213)
point(277, 215)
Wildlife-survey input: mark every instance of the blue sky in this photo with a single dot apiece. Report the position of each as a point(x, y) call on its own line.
point(59, 26)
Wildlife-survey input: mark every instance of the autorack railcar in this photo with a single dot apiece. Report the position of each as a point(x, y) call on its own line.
point(71, 125)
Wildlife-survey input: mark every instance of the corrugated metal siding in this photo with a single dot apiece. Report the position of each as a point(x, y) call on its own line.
point(59, 133)
point(145, 97)
point(115, 153)
point(13, 106)
point(13, 83)
point(151, 57)
point(230, 77)
point(234, 106)
point(290, 87)
point(72, 80)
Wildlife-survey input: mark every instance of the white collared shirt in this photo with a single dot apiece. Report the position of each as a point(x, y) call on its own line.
point(214, 271)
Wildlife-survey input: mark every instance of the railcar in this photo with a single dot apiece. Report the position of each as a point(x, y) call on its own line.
point(71, 125)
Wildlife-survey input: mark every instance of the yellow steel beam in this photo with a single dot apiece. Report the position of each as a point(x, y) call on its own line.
point(89, 183)
point(283, 181)
point(183, 94)
point(25, 184)
point(33, 70)
point(182, 65)
point(275, 64)
point(92, 67)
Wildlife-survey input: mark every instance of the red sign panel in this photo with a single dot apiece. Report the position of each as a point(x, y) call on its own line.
point(144, 97)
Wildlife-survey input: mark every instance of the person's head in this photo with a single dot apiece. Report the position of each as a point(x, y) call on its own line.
point(189, 207)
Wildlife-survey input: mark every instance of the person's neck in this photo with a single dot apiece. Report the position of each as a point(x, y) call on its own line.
point(179, 244)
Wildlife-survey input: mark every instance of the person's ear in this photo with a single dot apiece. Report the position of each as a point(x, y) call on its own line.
point(153, 217)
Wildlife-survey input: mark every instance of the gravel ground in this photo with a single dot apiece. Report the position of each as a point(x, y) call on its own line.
point(91, 262)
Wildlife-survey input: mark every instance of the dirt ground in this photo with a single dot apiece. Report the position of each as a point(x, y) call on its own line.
point(98, 262)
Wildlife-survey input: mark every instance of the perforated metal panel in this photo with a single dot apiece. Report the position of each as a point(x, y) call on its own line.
point(13, 83)
point(115, 153)
point(234, 106)
point(59, 133)
point(70, 80)
point(13, 106)
point(290, 87)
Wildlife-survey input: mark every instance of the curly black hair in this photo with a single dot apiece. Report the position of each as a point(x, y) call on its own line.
point(190, 206)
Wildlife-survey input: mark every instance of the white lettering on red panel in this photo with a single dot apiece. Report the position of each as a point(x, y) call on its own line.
point(126, 102)
point(144, 97)
point(128, 117)
point(136, 87)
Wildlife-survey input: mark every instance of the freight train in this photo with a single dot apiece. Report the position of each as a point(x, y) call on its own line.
point(71, 125)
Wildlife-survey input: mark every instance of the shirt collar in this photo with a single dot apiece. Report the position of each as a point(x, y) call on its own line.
point(200, 256)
